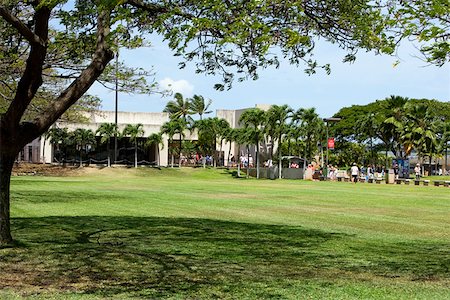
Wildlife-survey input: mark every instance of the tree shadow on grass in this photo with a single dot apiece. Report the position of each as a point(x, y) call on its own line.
point(177, 257)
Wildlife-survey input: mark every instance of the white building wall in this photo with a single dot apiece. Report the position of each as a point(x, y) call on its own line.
point(151, 122)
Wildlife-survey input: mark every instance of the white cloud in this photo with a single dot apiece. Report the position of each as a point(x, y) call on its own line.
point(177, 86)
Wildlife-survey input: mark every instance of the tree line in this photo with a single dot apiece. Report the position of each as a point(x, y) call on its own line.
point(368, 134)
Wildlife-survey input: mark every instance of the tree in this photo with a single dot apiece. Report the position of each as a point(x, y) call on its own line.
point(106, 132)
point(366, 128)
point(134, 132)
point(425, 22)
point(210, 132)
point(157, 140)
point(222, 37)
point(241, 136)
point(59, 138)
point(199, 106)
point(170, 128)
point(311, 128)
point(179, 108)
point(252, 119)
point(82, 138)
point(276, 127)
point(419, 131)
point(222, 127)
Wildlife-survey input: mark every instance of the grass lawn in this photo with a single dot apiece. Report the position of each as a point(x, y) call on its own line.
point(202, 234)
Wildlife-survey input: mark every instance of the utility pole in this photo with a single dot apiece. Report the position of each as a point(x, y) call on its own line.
point(117, 104)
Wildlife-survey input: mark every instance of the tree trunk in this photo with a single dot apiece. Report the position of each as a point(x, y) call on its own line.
point(157, 153)
point(43, 151)
point(135, 154)
point(248, 161)
point(229, 154)
point(179, 153)
point(108, 150)
point(257, 159)
point(6, 164)
point(280, 155)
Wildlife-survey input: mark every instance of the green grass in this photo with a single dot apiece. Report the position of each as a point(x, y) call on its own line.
point(202, 234)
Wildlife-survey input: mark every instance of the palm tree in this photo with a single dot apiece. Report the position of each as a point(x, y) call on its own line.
point(59, 138)
point(443, 136)
point(420, 131)
point(366, 128)
point(44, 136)
point(222, 129)
point(106, 132)
point(82, 138)
point(134, 132)
point(170, 128)
point(156, 139)
point(276, 127)
point(241, 136)
point(311, 129)
point(252, 119)
point(198, 105)
point(179, 108)
point(393, 125)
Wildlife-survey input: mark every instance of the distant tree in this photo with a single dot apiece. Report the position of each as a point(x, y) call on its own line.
point(366, 128)
point(252, 119)
point(106, 132)
point(83, 138)
point(59, 138)
point(134, 132)
point(223, 130)
point(243, 136)
point(170, 128)
point(419, 131)
point(277, 127)
point(199, 106)
point(157, 140)
point(311, 128)
point(179, 108)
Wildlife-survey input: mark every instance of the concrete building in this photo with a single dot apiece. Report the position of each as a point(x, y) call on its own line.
point(41, 150)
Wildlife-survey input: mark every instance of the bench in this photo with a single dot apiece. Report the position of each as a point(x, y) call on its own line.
point(362, 179)
point(446, 183)
point(439, 182)
point(425, 182)
point(370, 180)
point(378, 180)
point(404, 180)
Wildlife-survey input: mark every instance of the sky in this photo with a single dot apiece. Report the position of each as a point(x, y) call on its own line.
point(371, 77)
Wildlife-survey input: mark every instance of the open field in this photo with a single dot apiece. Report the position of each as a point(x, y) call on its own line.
point(202, 234)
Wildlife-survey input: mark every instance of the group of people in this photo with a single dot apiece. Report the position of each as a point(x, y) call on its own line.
point(369, 172)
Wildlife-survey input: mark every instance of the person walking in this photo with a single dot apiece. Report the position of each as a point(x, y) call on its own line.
point(417, 171)
point(355, 172)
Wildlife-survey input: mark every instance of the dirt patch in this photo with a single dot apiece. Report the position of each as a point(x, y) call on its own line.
point(26, 169)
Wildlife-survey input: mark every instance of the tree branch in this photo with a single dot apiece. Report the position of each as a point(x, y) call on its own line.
point(31, 79)
point(102, 56)
point(29, 35)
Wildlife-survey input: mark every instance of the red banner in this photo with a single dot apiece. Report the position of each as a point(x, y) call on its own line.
point(331, 143)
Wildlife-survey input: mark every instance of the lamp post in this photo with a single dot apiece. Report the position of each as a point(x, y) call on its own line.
point(328, 120)
point(116, 104)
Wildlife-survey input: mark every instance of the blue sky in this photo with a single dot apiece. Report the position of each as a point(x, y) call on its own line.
point(370, 78)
